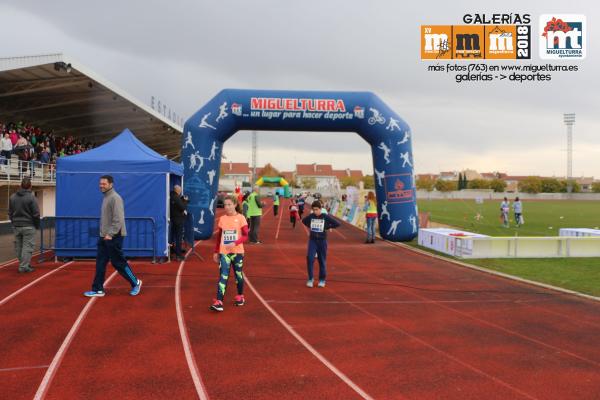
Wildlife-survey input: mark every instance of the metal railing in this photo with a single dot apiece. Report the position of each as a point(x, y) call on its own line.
point(79, 234)
point(13, 169)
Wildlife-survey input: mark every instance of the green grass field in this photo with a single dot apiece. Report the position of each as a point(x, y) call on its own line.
point(542, 218)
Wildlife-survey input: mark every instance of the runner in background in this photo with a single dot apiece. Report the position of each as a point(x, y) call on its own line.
point(293, 212)
point(300, 204)
point(504, 210)
point(518, 209)
point(275, 203)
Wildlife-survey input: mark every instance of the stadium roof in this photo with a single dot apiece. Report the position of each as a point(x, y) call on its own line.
point(57, 93)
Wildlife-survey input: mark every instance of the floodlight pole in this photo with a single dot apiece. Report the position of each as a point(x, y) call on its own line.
point(569, 120)
point(253, 157)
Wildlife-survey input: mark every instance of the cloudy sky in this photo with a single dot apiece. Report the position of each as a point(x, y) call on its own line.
point(184, 52)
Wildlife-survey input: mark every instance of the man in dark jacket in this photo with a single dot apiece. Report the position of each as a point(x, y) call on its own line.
point(24, 214)
point(178, 215)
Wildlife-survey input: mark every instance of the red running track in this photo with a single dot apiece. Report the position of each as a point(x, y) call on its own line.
point(391, 324)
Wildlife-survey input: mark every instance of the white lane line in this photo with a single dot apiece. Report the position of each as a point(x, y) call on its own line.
point(10, 296)
point(185, 339)
point(311, 349)
point(54, 365)
point(399, 301)
point(14, 260)
point(23, 368)
point(145, 287)
point(278, 225)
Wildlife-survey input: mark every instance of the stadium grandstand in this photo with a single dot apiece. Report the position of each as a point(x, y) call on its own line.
point(52, 106)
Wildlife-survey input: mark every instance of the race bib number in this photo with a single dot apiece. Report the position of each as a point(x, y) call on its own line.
point(317, 225)
point(229, 236)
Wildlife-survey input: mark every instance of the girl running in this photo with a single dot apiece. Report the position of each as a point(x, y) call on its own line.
point(229, 251)
point(293, 213)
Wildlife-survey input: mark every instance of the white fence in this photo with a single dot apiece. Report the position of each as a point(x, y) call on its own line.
point(578, 232)
point(470, 245)
point(14, 170)
point(529, 247)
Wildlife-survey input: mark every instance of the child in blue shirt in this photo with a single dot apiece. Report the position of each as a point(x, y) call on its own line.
point(318, 223)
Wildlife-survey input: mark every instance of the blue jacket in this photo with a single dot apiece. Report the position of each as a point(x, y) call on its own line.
point(319, 225)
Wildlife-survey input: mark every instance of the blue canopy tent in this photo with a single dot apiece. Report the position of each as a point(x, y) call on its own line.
point(142, 177)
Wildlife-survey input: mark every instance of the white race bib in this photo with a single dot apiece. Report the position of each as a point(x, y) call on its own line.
point(229, 236)
point(317, 225)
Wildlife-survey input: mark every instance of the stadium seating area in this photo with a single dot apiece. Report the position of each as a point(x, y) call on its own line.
point(31, 143)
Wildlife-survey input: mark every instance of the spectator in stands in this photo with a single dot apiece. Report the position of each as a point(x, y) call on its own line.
point(52, 143)
point(21, 144)
point(6, 147)
point(34, 141)
point(45, 156)
point(24, 214)
point(14, 137)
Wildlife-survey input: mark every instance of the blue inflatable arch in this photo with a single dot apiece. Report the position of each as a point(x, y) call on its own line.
point(362, 112)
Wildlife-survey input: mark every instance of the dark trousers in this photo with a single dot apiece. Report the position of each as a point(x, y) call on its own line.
point(320, 248)
point(6, 154)
point(518, 218)
point(293, 220)
point(275, 209)
point(177, 236)
point(254, 227)
point(112, 250)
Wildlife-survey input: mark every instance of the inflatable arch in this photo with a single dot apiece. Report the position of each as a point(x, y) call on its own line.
point(278, 180)
point(232, 110)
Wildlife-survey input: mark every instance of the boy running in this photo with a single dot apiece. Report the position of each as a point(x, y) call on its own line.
point(318, 223)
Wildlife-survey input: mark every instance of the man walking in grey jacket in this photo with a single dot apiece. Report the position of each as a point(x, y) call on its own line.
point(24, 214)
point(110, 242)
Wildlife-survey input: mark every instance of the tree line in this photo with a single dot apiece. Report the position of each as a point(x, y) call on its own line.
point(531, 184)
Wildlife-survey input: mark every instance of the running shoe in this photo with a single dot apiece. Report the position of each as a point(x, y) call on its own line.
point(239, 300)
point(217, 305)
point(321, 284)
point(136, 289)
point(94, 293)
point(309, 283)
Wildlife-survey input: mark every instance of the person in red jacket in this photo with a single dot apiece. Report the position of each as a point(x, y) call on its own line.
point(229, 251)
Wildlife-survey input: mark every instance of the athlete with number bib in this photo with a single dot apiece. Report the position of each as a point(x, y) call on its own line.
point(229, 251)
point(319, 223)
